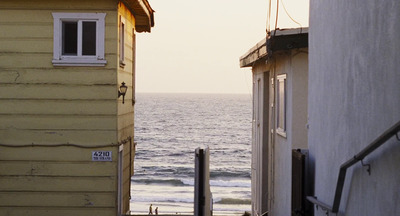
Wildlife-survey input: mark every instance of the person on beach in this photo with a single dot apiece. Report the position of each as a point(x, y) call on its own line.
point(151, 209)
point(156, 210)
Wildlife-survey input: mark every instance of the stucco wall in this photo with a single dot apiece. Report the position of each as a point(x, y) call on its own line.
point(295, 65)
point(354, 95)
point(299, 61)
point(271, 160)
point(282, 148)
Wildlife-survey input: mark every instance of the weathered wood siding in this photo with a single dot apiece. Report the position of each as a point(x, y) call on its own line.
point(45, 105)
point(126, 111)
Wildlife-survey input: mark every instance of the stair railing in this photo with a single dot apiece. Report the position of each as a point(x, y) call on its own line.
point(392, 131)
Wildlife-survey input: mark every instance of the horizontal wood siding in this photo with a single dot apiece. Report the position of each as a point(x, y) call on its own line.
point(127, 172)
point(58, 179)
point(62, 98)
point(64, 5)
point(126, 110)
point(125, 74)
point(54, 75)
point(56, 168)
point(60, 199)
point(57, 154)
point(41, 104)
point(47, 211)
point(48, 184)
point(51, 136)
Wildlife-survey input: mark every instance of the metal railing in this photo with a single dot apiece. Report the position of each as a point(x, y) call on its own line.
point(392, 131)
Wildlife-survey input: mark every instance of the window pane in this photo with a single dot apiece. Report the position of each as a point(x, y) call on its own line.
point(88, 38)
point(282, 100)
point(122, 43)
point(69, 38)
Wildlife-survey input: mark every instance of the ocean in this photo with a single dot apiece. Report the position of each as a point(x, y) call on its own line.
point(168, 129)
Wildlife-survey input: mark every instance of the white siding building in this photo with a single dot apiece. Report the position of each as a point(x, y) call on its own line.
point(280, 74)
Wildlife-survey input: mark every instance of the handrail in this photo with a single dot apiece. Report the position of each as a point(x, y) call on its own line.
point(392, 131)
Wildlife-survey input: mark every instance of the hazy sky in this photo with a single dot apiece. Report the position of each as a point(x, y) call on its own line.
point(195, 45)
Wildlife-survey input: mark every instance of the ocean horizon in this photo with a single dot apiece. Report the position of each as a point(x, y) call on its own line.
point(168, 129)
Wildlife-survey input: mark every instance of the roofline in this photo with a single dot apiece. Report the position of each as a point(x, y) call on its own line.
point(143, 12)
point(276, 40)
point(150, 9)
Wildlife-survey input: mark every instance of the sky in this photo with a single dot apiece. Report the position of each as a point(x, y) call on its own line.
point(195, 45)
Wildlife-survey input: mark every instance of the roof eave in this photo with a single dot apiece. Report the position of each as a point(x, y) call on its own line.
point(277, 40)
point(256, 53)
point(144, 14)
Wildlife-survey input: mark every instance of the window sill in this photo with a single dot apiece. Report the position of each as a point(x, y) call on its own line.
point(281, 132)
point(80, 62)
point(122, 64)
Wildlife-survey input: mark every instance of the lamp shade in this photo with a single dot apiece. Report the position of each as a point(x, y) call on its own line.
point(123, 88)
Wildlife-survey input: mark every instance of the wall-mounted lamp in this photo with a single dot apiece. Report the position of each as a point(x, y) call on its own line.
point(122, 91)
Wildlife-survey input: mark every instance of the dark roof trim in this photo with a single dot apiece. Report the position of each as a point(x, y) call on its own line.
point(144, 14)
point(277, 40)
point(258, 52)
point(287, 39)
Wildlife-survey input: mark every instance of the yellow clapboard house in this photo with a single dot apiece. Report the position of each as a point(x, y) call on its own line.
point(66, 131)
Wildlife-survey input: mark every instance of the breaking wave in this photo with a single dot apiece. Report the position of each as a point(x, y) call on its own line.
point(231, 201)
point(190, 182)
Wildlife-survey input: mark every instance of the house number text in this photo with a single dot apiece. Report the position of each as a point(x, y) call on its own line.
point(101, 155)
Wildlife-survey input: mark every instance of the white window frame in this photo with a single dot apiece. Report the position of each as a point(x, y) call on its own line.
point(281, 106)
point(79, 60)
point(122, 28)
point(133, 67)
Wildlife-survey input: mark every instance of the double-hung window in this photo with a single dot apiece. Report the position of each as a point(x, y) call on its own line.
point(79, 39)
point(281, 104)
point(122, 42)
